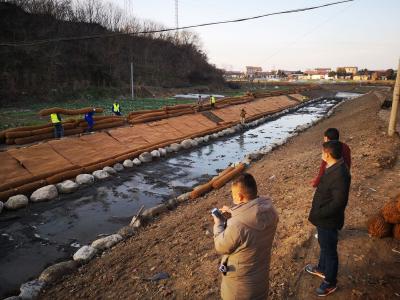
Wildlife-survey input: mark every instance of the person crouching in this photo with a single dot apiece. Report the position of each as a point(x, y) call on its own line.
point(245, 241)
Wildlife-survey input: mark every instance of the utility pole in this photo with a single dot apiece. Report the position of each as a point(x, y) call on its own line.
point(176, 15)
point(395, 104)
point(132, 90)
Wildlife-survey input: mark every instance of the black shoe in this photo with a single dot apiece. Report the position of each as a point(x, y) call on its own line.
point(325, 289)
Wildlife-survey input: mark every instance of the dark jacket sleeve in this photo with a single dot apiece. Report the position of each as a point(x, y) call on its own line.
point(339, 200)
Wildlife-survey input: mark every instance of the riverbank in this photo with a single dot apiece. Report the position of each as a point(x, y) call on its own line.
point(181, 244)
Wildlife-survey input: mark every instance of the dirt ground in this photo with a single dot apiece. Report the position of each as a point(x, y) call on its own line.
point(180, 242)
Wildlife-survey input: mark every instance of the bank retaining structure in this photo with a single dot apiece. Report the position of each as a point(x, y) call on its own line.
point(25, 169)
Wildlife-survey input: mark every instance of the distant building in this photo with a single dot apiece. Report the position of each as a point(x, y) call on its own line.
point(234, 75)
point(348, 70)
point(362, 77)
point(316, 74)
point(251, 71)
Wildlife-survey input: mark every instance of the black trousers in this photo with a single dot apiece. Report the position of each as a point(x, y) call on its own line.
point(328, 257)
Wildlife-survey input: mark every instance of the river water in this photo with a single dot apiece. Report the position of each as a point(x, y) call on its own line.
point(46, 233)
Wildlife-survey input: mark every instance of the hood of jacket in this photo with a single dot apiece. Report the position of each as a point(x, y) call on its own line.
point(258, 213)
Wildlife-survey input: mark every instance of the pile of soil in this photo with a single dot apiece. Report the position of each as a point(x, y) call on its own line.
point(181, 244)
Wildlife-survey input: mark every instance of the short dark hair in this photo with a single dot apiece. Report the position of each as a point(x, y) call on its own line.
point(247, 184)
point(332, 134)
point(334, 148)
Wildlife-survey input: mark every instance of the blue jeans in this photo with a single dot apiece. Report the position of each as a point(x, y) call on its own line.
point(328, 257)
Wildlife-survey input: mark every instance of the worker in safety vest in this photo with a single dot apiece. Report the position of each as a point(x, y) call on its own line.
point(58, 127)
point(116, 108)
point(212, 101)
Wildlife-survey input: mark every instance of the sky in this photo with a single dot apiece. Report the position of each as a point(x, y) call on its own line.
point(363, 33)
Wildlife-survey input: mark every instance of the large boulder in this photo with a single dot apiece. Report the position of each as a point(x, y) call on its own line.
point(67, 186)
point(183, 197)
point(145, 157)
point(106, 242)
point(84, 179)
point(30, 290)
point(169, 149)
point(155, 153)
point(15, 202)
point(187, 144)
point(136, 162)
point(127, 231)
point(100, 174)
point(127, 163)
point(154, 211)
point(206, 138)
point(162, 151)
point(57, 271)
point(254, 156)
point(175, 147)
point(110, 170)
point(46, 193)
point(118, 167)
point(85, 254)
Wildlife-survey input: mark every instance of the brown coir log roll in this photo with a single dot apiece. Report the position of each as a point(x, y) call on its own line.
point(397, 200)
point(100, 165)
point(148, 115)
point(200, 190)
point(108, 125)
point(33, 138)
point(64, 176)
point(378, 227)
point(18, 182)
point(230, 175)
point(396, 232)
point(25, 189)
point(145, 120)
point(73, 131)
point(84, 124)
point(391, 213)
point(54, 110)
point(18, 134)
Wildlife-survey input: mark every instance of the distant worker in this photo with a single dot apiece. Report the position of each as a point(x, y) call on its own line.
point(199, 100)
point(89, 120)
point(58, 127)
point(243, 114)
point(116, 108)
point(212, 101)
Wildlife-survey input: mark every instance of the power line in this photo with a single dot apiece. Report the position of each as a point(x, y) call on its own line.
point(87, 37)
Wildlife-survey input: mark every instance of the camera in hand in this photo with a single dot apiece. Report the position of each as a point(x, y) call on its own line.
point(216, 212)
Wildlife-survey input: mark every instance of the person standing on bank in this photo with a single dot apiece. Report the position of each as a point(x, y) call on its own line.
point(58, 127)
point(245, 241)
point(243, 114)
point(327, 214)
point(89, 120)
point(332, 134)
point(116, 109)
point(212, 101)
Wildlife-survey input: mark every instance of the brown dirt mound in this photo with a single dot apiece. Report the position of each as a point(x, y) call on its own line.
point(378, 227)
point(391, 213)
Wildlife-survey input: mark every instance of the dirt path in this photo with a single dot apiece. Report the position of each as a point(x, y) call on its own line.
point(181, 244)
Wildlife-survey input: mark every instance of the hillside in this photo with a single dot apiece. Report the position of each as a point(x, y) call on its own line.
point(62, 68)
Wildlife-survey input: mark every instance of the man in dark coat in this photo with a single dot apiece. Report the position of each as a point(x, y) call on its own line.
point(327, 214)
